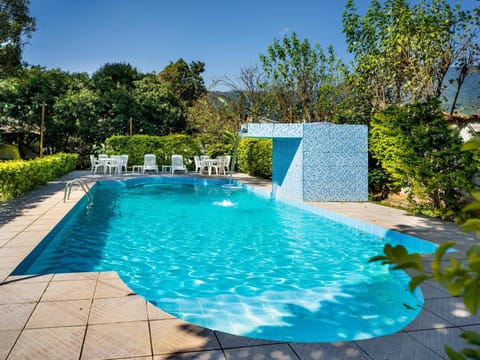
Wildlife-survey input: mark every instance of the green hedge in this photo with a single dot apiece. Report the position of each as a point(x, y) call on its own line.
point(163, 147)
point(20, 176)
point(255, 157)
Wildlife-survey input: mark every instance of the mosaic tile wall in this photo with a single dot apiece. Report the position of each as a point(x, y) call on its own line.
point(317, 162)
point(335, 163)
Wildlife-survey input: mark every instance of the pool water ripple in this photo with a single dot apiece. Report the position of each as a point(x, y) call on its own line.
point(236, 262)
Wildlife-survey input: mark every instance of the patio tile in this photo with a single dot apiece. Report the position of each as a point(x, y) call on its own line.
point(75, 276)
point(15, 292)
point(397, 346)
point(11, 262)
point(432, 290)
point(172, 336)
point(330, 351)
point(127, 308)
point(201, 355)
point(109, 288)
point(264, 352)
point(108, 275)
point(60, 313)
point(7, 339)
point(154, 313)
point(452, 310)
point(117, 341)
point(26, 279)
point(11, 250)
point(437, 339)
point(51, 343)
point(69, 290)
point(7, 238)
point(15, 316)
point(427, 320)
point(229, 340)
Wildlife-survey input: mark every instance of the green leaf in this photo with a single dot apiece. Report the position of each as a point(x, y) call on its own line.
point(452, 354)
point(417, 280)
point(471, 337)
point(471, 296)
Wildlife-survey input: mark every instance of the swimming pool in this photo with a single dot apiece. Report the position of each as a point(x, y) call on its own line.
point(234, 261)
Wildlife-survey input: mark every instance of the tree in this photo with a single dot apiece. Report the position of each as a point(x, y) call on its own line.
point(417, 149)
point(403, 51)
point(24, 96)
point(468, 59)
point(76, 118)
point(210, 117)
point(159, 111)
point(15, 25)
point(114, 84)
point(296, 74)
point(248, 97)
point(184, 80)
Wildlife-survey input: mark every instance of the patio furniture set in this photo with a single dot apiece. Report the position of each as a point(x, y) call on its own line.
point(117, 164)
point(221, 164)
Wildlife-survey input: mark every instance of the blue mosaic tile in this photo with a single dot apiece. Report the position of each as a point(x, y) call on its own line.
point(259, 130)
point(336, 138)
point(288, 130)
point(324, 159)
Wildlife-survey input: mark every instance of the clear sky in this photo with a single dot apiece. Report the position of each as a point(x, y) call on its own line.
point(227, 35)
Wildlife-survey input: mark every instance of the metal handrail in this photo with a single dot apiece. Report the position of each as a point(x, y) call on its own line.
point(83, 185)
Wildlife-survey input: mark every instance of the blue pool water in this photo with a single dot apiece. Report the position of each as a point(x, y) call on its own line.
point(234, 261)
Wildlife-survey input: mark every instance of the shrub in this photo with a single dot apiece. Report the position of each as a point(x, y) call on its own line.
point(19, 176)
point(255, 157)
point(423, 156)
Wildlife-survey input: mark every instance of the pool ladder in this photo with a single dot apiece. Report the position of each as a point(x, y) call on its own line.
point(83, 185)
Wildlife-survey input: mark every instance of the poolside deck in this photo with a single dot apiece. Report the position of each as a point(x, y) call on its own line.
point(95, 316)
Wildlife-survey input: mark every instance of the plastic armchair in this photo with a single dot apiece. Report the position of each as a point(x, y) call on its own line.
point(150, 163)
point(124, 159)
point(177, 164)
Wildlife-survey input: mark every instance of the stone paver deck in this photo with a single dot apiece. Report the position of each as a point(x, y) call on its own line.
point(96, 316)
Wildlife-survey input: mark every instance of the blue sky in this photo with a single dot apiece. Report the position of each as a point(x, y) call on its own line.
point(227, 35)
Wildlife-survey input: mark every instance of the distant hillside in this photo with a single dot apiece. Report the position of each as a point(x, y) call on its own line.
point(468, 102)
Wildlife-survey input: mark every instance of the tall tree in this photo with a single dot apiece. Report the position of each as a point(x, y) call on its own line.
point(402, 50)
point(297, 73)
point(466, 41)
point(15, 25)
point(114, 84)
point(22, 99)
point(159, 111)
point(184, 80)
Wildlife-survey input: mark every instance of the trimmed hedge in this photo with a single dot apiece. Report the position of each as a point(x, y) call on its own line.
point(20, 176)
point(254, 157)
point(163, 147)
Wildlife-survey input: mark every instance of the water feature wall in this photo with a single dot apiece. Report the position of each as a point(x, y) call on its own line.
point(317, 161)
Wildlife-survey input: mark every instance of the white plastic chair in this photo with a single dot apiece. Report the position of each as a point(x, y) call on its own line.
point(226, 163)
point(94, 164)
point(115, 165)
point(124, 159)
point(198, 164)
point(220, 166)
point(177, 164)
point(149, 163)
